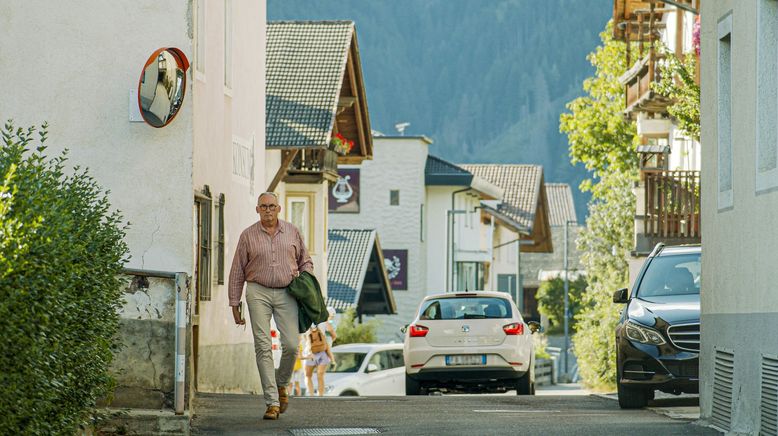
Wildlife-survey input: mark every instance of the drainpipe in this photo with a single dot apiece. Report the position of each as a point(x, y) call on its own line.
point(182, 322)
point(490, 247)
point(450, 264)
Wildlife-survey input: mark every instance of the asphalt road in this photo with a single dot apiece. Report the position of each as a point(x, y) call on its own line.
point(551, 413)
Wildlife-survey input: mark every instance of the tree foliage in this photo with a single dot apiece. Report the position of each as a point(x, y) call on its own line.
point(551, 297)
point(599, 135)
point(350, 332)
point(677, 83)
point(605, 142)
point(61, 254)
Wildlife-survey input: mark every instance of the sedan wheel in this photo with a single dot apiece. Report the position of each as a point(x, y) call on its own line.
point(524, 386)
point(412, 387)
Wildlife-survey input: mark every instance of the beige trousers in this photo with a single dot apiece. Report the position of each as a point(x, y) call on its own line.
point(263, 303)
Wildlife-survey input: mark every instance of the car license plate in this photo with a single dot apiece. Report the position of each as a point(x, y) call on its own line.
point(466, 359)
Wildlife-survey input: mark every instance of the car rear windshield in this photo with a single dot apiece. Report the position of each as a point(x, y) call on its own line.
point(466, 308)
point(671, 275)
point(346, 362)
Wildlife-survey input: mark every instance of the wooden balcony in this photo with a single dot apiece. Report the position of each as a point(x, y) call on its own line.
point(671, 209)
point(637, 87)
point(312, 165)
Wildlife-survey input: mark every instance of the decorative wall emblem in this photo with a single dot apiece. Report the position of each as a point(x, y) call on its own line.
point(393, 266)
point(344, 193)
point(396, 264)
point(342, 190)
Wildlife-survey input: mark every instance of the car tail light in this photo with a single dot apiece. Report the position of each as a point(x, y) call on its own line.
point(516, 328)
point(418, 331)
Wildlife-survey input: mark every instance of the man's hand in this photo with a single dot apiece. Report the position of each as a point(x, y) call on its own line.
point(236, 316)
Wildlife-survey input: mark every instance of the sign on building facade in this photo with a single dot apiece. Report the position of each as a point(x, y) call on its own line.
point(344, 193)
point(396, 262)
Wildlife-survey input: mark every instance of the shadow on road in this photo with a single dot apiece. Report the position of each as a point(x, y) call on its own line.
point(675, 402)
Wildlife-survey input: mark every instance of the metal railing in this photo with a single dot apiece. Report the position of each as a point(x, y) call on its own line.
point(672, 204)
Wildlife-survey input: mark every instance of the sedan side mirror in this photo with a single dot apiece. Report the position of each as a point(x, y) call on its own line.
point(620, 296)
point(534, 326)
point(372, 367)
point(404, 329)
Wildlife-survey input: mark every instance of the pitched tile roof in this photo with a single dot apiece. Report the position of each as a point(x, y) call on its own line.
point(521, 184)
point(561, 207)
point(348, 252)
point(436, 165)
point(355, 265)
point(305, 67)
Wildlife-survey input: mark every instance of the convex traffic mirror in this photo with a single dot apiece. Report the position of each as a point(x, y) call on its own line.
point(162, 86)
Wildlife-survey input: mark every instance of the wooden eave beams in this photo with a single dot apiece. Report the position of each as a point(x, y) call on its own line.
point(357, 106)
point(353, 117)
point(352, 120)
point(541, 229)
point(286, 161)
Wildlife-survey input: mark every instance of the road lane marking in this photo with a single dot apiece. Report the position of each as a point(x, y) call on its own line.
point(515, 411)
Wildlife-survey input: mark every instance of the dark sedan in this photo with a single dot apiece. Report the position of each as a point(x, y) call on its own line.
point(658, 335)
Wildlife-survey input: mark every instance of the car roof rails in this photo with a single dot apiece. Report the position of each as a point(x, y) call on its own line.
point(659, 246)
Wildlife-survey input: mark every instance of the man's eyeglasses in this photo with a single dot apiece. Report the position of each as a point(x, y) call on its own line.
point(270, 207)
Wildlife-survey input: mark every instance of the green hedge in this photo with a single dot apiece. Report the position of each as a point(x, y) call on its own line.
point(61, 254)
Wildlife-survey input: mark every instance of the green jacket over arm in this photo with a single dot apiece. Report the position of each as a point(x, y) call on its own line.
point(310, 303)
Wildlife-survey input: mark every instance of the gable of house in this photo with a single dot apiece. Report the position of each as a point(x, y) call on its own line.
point(524, 200)
point(315, 87)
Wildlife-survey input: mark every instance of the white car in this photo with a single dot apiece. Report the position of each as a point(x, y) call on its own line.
point(472, 341)
point(366, 369)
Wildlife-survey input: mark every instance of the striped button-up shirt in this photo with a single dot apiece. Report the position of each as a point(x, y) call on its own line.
point(270, 260)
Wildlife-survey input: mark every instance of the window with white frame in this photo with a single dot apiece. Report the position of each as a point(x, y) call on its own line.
point(228, 44)
point(767, 96)
point(200, 37)
point(724, 100)
point(299, 213)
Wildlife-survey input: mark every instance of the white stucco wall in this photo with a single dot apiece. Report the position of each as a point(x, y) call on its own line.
point(739, 242)
point(438, 252)
point(397, 164)
point(229, 121)
point(73, 65)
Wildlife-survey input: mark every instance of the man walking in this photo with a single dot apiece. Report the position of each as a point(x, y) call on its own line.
point(270, 253)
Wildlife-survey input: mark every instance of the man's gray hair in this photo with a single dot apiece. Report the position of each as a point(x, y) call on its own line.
point(272, 194)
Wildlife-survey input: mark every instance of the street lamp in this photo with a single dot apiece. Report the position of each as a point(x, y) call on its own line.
point(567, 303)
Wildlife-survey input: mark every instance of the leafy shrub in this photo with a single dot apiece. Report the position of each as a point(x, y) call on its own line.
point(349, 332)
point(605, 242)
point(540, 342)
point(551, 302)
point(61, 254)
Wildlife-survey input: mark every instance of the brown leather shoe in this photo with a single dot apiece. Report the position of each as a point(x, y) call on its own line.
point(272, 412)
point(283, 398)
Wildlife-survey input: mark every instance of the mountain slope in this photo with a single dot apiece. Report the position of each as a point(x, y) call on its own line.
point(485, 79)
